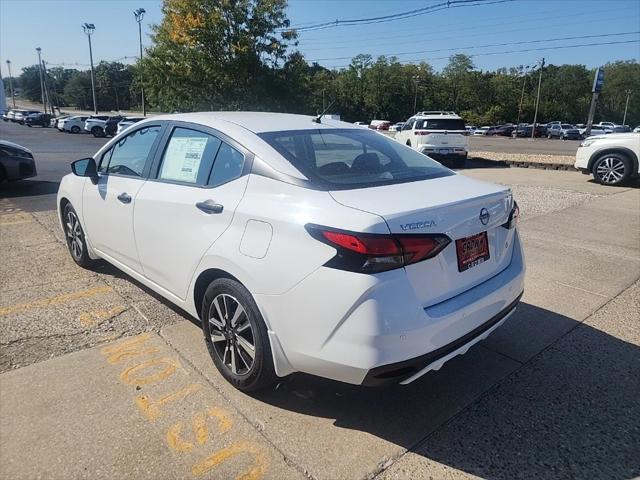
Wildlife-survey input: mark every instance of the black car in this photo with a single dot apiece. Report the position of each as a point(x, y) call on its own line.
point(42, 119)
point(16, 162)
point(525, 131)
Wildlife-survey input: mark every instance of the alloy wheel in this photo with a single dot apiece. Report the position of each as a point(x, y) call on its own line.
point(74, 235)
point(231, 333)
point(611, 170)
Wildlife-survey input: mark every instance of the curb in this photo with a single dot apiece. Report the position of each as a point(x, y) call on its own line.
point(487, 163)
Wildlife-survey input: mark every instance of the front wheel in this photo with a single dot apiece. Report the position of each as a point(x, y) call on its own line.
point(236, 336)
point(75, 129)
point(97, 132)
point(75, 237)
point(611, 169)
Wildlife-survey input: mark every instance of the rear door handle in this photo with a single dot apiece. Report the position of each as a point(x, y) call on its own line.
point(124, 197)
point(209, 206)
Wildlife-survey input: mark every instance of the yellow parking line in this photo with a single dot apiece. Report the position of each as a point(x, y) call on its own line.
point(67, 297)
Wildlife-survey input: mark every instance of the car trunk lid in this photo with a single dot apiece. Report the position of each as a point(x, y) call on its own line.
point(451, 205)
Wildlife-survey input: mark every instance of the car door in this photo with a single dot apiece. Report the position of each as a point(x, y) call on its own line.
point(198, 179)
point(108, 206)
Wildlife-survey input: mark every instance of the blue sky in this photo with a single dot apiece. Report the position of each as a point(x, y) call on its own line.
point(55, 26)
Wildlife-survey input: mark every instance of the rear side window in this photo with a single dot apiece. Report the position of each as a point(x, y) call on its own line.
point(228, 165)
point(335, 159)
point(189, 156)
point(440, 124)
point(129, 155)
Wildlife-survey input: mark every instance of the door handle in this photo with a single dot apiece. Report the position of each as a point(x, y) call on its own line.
point(209, 206)
point(124, 197)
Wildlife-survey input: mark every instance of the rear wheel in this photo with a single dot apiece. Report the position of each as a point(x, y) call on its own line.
point(408, 143)
point(611, 169)
point(75, 129)
point(236, 336)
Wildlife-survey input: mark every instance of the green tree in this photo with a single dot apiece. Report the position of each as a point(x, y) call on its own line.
point(77, 91)
point(216, 54)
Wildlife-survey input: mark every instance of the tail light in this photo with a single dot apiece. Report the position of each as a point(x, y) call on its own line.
point(514, 216)
point(372, 253)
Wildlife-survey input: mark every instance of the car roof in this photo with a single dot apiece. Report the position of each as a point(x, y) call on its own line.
point(257, 122)
point(244, 127)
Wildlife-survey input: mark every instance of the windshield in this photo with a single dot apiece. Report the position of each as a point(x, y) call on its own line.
point(342, 159)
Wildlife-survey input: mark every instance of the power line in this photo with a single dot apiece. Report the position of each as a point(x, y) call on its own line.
point(421, 36)
point(488, 45)
point(477, 25)
point(540, 49)
point(396, 16)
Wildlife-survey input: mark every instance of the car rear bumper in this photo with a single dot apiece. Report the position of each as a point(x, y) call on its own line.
point(373, 330)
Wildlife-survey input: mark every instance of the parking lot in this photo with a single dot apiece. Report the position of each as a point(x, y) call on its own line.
point(102, 378)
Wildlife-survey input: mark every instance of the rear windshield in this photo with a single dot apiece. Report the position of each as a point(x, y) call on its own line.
point(342, 158)
point(440, 124)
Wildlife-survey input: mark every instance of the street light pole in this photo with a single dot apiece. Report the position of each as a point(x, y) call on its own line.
point(88, 30)
point(535, 115)
point(139, 14)
point(626, 105)
point(13, 96)
point(44, 105)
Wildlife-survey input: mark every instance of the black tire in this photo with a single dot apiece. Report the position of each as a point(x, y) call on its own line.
point(97, 132)
point(74, 235)
point(29, 125)
point(260, 374)
point(408, 143)
point(75, 129)
point(611, 169)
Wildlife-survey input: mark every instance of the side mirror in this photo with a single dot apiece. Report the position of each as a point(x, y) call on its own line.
point(86, 167)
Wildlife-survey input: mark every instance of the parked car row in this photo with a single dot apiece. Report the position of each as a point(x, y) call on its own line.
point(97, 125)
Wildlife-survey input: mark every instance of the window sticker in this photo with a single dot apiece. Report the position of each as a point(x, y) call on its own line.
point(182, 158)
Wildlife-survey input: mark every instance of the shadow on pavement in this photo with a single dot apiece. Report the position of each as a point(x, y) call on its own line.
point(573, 411)
point(27, 188)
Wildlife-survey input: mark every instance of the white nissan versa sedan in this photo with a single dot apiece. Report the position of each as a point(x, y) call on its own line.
point(302, 244)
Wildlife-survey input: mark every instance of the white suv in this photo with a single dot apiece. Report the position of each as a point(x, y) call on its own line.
point(611, 159)
point(440, 135)
point(302, 244)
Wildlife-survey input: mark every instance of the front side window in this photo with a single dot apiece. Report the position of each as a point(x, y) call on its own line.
point(189, 156)
point(129, 155)
point(345, 158)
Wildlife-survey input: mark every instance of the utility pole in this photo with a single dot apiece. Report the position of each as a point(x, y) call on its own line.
point(13, 95)
point(88, 30)
point(44, 105)
point(524, 83)
point(416, 79)
point(624, 118)
point(47, 97)
point(598, 82)
point(139, 14)
point(535, 115)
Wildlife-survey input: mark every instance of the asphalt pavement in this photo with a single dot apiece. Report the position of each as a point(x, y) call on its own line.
point(104, 379)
